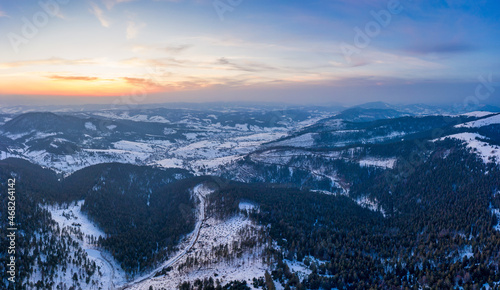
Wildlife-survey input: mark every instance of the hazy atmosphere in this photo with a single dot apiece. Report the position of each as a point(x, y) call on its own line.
point(314, 52)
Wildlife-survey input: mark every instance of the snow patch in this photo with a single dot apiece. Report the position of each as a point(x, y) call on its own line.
point(370, 204)
point(170, 163)
point(133, 146)
point(169, 131)
point(305, 140)
point(247, 206)
point(485, 150)
point(382, 163)
point(299, 268)
point(496, 212)
point(90, 126)
point(190, 136)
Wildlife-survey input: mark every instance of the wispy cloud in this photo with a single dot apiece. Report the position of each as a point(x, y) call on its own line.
point(97, 12)
point(111, 3)
point(61, 15)
point(252, 68)
point(159, 62)
point(133, 29)
point(245, 65)
point(355, 63)
point(3, 14)
point(442, 48)
point(170, 49)
point(176, 48)
point(50, 61)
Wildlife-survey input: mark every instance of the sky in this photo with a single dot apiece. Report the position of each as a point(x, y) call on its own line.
point(290, 51)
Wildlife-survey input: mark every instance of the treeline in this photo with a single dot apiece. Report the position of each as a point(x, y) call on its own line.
point(210, 284)
point(361, 132)
point(123, 178)
point(491, 132)
point(308, 223)
point(307, 171)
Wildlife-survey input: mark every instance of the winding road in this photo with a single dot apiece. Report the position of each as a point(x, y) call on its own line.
point(201, 191)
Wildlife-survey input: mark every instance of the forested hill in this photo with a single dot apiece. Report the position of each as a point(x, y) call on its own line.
point(143, 217)
point(38, 184)
point(121, 178)
point(142, 210)
point(438, 228)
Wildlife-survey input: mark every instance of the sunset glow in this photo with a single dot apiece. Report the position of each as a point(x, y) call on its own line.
point(341, 49)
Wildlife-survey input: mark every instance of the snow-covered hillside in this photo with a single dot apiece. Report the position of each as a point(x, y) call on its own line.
point(200, 246)
point(481, 122)
point(380, 162)
point(70, 217)
point(189, 140)
point(487, 151)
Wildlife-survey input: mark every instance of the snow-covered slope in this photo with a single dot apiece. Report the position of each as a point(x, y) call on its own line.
point(142, 139)
point(481, 122)
point(488, 152)
point(70, 217)
point(210, 234)
point(478, 114)
point(380, 162)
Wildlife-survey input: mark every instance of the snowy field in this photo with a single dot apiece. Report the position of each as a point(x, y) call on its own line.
point(201, 153)
point(68, 164)
point(213, 233)
point(382, 163)
point(478, 114)
point(481, 122)
point(72, 217)
point(305, 140)
point(486, 151)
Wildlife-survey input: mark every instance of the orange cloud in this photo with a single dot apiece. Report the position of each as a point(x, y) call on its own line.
point(140, 82)
point(73, 78)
